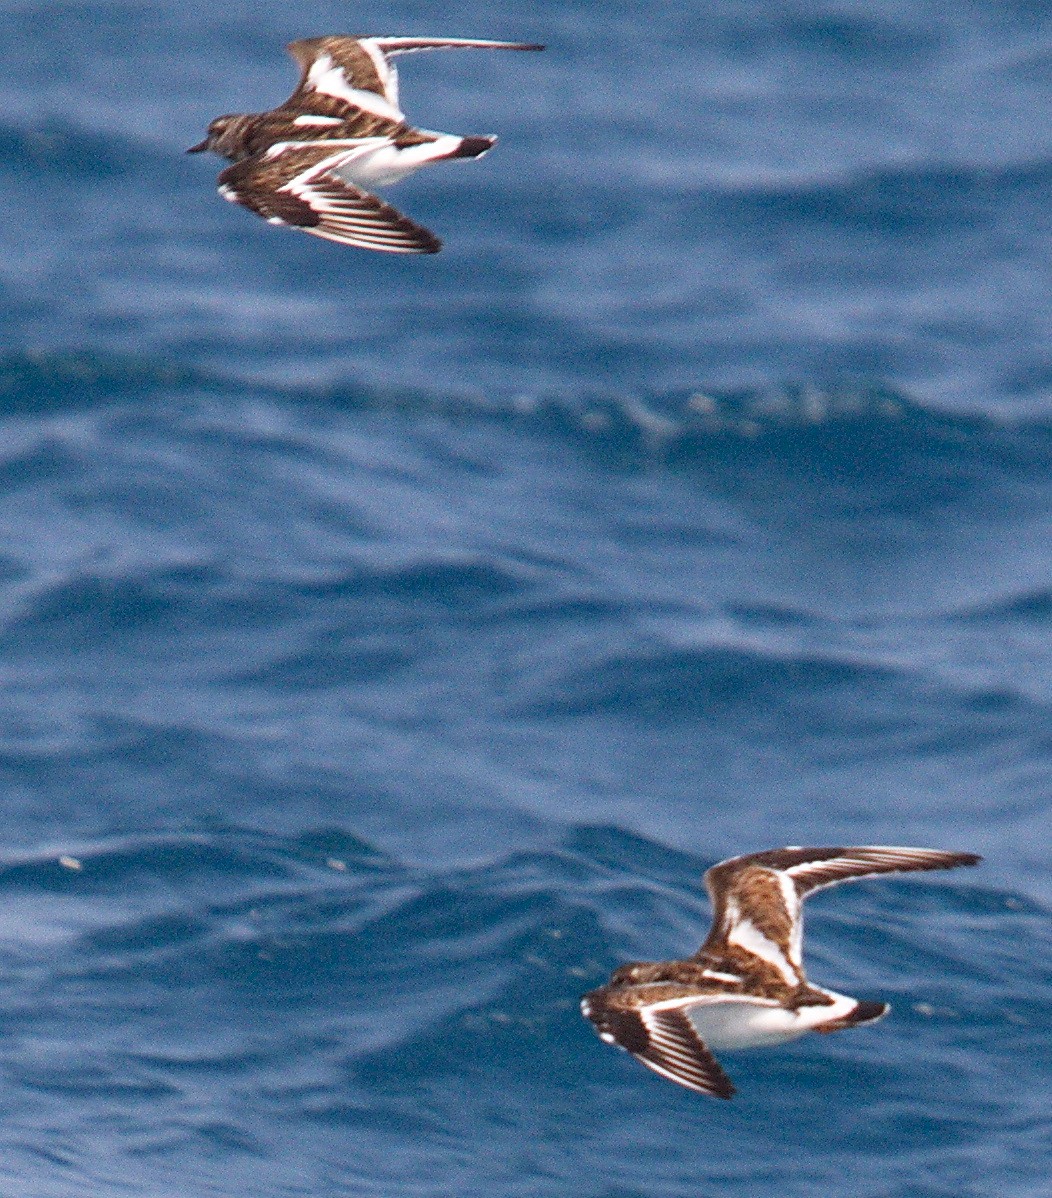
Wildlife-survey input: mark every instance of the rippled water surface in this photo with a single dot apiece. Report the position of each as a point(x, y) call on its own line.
point(388, 645)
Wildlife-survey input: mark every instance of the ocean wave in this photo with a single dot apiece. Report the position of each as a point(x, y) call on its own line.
point(60, 149)
point(924, 196)
point(1028, 607)
point(55, 381)
point(476, 972)
point(866, 420)
point(849, 703)
point(419, 1012)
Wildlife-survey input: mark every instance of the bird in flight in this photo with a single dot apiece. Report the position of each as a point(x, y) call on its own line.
point(312, 162)
point(745, 987)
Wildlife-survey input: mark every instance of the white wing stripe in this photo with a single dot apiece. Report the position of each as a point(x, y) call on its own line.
point(745, 934)
point(342, 147)
point(386, 72)
point(705, 1000)
point(331, 80)
point(851, 865)
point(792, 906)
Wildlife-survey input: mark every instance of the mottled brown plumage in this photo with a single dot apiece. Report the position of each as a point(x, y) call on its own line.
point(746, 985)
point(311, 162)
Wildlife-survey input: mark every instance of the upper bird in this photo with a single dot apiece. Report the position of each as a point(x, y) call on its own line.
point(311, 162)
point(745, 987)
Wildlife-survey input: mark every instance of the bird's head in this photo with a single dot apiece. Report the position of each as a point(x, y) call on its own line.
point(632, 973)
point(224, 137)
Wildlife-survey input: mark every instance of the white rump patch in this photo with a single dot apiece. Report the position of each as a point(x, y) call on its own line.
point(309, 118)
point(721, 977)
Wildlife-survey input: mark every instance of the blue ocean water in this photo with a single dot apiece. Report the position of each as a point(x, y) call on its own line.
point(388, 645)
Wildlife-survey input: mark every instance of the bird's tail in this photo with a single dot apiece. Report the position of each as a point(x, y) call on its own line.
point(864, 1012)
point(473, 147)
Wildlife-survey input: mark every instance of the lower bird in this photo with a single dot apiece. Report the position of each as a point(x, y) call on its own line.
point(312, 162)
point(745, 987)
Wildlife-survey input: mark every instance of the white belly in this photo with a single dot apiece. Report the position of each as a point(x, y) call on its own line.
point(382, 164)
point(736, 1024)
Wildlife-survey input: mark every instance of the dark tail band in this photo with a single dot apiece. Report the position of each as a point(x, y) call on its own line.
point(864, 1012)
point(473, 147)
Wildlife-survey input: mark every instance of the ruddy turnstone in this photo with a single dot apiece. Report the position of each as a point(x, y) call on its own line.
point(311, 162)
point(745, 987)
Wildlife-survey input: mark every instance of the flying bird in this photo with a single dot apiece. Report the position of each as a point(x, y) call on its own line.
point(745, 987)
point(312, 162)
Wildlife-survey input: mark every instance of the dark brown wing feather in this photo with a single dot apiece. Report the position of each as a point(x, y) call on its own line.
point(676, 1051)
point(293, 188)
point(361, 87)
point(663, 1040)
point(355, 217)
point(352, 55)
point(408, 45)
point(357, 83)
point(749, 890)
point(347, 53)
point(812, 869)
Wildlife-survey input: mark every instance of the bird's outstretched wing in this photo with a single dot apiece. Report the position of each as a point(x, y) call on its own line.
point(662, 1037)
point(296, 184)
point(811, 869)
point(353, 78)
point(757, 898)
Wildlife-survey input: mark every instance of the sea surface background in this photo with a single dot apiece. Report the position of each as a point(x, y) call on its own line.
point(387, 644)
